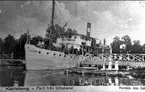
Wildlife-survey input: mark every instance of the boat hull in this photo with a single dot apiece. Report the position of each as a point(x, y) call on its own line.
point(42, 59)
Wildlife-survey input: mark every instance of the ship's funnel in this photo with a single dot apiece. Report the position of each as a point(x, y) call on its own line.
point(104, 41)
point(88, 29)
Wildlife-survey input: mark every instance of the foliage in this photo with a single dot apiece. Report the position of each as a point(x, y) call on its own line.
point(129, 48)
point(9, 44)
point(127, 41)
point(143, 48)
point(20, 52)
point(1, 45)
point(136, 48)
point(116, 44)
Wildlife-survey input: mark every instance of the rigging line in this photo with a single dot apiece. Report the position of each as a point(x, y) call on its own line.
point(60, 11)
point(58, 14)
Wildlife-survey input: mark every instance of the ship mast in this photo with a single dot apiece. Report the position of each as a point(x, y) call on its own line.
point(52, 23)
point(28, 40)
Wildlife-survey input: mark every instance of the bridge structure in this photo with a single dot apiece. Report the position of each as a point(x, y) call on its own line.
point(123, 60)
point(124, 57)
point(132, 60)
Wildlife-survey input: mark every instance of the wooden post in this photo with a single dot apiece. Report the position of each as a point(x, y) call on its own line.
point(110, 50)
point(110, 64)
point(83, 73)
point(116, 66)
point(97, 52)
point(83, 50)
point(104, 66)
point(79, 82)
point(66, 72)
point(12, 55)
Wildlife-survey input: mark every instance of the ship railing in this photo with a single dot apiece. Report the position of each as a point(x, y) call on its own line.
point(89, 58)
point(124, 57)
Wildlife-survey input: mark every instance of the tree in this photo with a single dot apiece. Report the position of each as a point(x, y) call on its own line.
point(20, 46)
point(20, 50)
point(116, 44)
point(9, 44)
point(136, 48)
point(1, 45)
point(143, 48)
point(127, 41)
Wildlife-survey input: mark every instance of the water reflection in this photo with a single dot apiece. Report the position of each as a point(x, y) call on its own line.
point(53, 78)
point(12, 78)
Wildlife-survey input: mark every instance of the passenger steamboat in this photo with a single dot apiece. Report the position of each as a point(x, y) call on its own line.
point(81, 50)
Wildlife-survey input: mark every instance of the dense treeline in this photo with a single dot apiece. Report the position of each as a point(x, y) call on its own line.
point(9, 44)
point(125, 45)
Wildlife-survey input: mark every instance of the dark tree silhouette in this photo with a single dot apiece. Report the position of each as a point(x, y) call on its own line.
point(1, 45)
point(136, 48)
point(116, 44)
point(20, 50)
point(143, 48)
point(9, 44)
point(127, 41)
point(129, 48)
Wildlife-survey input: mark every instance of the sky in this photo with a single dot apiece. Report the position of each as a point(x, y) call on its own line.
point(108, 18)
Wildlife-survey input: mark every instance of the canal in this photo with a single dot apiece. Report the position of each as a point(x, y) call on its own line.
point(53, 78)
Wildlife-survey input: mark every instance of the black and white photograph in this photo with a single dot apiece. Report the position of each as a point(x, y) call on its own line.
point(72, 46)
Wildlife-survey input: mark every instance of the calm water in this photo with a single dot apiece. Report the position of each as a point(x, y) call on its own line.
point(45, 78)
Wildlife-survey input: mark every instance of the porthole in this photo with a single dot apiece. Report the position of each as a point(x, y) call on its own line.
point(54, 54)
point(59, 54)
point(39, 52)
point(47, 52)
